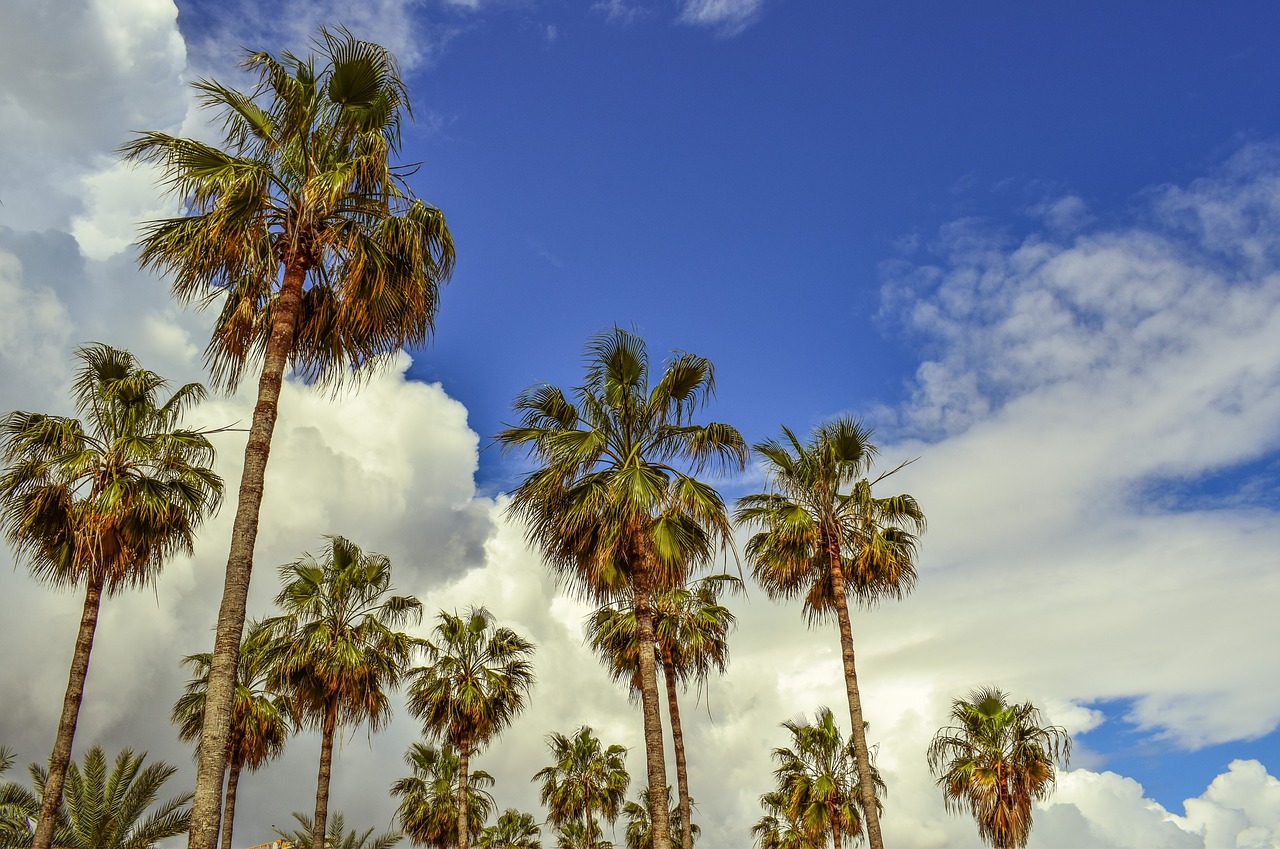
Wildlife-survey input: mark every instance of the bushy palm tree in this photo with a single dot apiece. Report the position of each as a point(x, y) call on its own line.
point(335, 648)
point(513, 830)
point(306, 236)
point(825, 537)
point(579, 834)
point(101, 502)
point(476, 682)
point(691, 628)
point(428, 810)
point(259, 723)
point(615, 505)
point(105, 809)
point(817, 791)
point(994, 761)
point(583, 778)
point(639, 832)
point(338, 837)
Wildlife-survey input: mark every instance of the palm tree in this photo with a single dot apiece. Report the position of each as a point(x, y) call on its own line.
point(16, 802)
point(615, 507)
point(106, 810)
point(101, 503)
point(777, 829)
point(825, 537)
point(428, 810)
point(639, 833)
point(260, 721)
point(578, 834)
point(513, 830)
point(817, 782)
point(477, 681)
point(582, 779)
point(691, 629)
point(335, 650)
point(994, 761)
point(338, 837)
point(319, 256)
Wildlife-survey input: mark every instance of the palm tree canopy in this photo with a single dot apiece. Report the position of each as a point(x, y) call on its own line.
point(337, 836)
point(336, 640)
point(302, 181)
point(584, 778)
point(477, 681)
point(821, 504)
point(639, 834)
point(513, 830)
point(428, 810)
point(616, 497)
point(108, 497)
point(577, 835)
point(994, 761)
point(777, 829)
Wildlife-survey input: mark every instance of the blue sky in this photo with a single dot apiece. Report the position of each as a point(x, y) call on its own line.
point(1038, 247)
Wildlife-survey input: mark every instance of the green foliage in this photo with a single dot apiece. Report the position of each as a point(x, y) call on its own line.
point(513, 830)
point(639, 834)
point(584, 778)
point(337, 836)
point(428, 810)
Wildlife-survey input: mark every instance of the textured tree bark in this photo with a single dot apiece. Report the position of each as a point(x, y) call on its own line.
point(327, 731)
point(655, 757)
point(464, 763)
point(215, 735)
point(870, 814)
point(229, 806)
point(677, 740)
point(61, 755)
point(836, 840)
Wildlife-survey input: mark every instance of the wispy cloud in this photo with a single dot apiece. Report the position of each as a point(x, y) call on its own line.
point(726, 18)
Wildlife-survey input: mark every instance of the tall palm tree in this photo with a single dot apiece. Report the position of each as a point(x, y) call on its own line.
point(103, 809)
point(337, 837)
point(335, 649)
point(259, 723)
point(582, 779)
point(428, 810)
point(639, 832)
point(691, 628)
point(319, 256)
point(513, 830)
point(817, 781)
point(477, 681)
point(101, 502)
point(995, 761)
point(824, 536)
point(616, 507)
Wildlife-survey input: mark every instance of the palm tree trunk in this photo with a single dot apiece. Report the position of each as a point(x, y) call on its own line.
point(327, 731)
point(464, 763)
point(655, 757)
point(858, 734)
point(61, 755)
point(677, 740)
point(836, 842)
point(215, 735)
point(229, 806)
point(586, 829)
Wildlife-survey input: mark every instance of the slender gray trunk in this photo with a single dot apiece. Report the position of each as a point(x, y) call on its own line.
point(229, 806)
point(677, 740)
point(655, 757)
point(464, 765)
point(327, 732)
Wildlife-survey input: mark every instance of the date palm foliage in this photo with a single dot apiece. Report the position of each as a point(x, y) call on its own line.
point(476, 681)
point(513, 830)
point(615, 504)
point(778, 829)
point(639, 831)
point(337, 836)
point(101, 502)
point(260, 722)
point(691, 628)
point(336, 651)
point(428, 810)
point(823, 536)
point(306, 238)
point(994, 761)
point(584, 778)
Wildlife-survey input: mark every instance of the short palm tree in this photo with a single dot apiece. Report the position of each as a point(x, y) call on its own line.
point(428, 810)
point(639, 832)
point(615, 505)
point(824, 536)
point(109, 809)
point(319, 257)
point(476, 682)
point(513, 830)
point(817, 782)
point(101, 502)
point(335, 648)
point(691, 628)
point(778, 829)
point(260, 721)
point(337, 837)
point(584, 778)
point(581, 835)
point(994, 761)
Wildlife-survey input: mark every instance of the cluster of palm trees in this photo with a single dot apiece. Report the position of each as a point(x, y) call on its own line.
point(321, 261)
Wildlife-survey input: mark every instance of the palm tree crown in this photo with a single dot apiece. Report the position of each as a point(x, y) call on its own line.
point(995, 761)
point(338, 837)
point(428, 810)
point(513, 830)
point(615, 506)
point(583, 778)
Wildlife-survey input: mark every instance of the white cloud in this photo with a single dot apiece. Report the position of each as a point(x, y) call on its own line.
point(726, 18)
